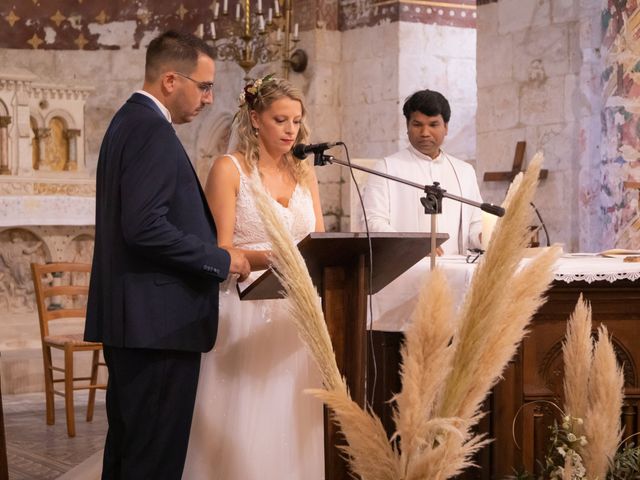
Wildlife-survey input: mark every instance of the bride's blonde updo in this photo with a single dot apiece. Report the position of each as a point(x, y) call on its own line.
point(258, 95)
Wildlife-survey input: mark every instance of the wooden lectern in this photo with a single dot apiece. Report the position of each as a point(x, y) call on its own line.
point(340, 269)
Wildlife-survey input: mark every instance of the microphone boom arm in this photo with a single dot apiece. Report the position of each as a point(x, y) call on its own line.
point(321, 159)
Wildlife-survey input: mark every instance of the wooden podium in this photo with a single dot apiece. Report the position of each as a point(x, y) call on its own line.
point(340, 269)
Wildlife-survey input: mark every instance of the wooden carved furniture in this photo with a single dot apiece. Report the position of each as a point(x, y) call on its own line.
point(61, 290)
point(536, 374)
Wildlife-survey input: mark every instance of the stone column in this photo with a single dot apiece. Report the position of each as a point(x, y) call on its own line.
point(4, 145)
point(41, 137)
point(72, 139)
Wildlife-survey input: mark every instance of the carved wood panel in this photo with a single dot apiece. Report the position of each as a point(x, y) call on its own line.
point(618, 306)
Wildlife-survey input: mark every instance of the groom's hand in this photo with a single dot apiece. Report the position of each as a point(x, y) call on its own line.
point(239, 264)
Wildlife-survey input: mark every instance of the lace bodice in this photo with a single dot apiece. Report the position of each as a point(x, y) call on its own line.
point(249, 232)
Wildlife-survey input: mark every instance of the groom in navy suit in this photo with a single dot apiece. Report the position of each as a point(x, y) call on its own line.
point(153, 297)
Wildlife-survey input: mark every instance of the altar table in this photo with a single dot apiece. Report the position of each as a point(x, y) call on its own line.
point(609, 284)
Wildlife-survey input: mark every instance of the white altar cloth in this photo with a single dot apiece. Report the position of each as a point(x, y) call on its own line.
point(393, 306)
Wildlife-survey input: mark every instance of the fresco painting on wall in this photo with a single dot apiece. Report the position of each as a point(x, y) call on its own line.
point(621, 123)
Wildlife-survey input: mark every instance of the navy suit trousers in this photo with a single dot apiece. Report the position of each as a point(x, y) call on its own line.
point(150, 400)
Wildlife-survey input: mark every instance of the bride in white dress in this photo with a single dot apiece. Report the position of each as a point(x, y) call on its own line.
point(252, 419)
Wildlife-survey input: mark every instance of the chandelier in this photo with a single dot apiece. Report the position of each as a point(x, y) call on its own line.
point(253, 35)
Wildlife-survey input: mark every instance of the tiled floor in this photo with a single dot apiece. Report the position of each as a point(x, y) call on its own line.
point(38, 451)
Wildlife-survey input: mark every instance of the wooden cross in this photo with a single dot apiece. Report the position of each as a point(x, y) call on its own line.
point(518, 160)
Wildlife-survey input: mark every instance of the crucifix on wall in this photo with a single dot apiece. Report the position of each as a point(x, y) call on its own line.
point(518, 160)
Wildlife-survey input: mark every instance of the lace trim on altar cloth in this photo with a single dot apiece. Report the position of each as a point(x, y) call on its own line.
point(582, 268)
point(596, 277)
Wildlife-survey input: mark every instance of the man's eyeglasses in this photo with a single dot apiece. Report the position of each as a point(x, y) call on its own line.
point(204, 87)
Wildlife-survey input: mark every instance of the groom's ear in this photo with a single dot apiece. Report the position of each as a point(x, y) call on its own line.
point(168, 81)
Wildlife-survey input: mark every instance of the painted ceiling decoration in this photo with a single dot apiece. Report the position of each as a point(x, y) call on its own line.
point(109, 24)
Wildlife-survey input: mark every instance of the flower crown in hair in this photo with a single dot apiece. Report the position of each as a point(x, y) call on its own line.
point(252, 89)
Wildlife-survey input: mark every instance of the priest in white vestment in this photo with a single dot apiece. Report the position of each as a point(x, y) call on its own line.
point(395, 207)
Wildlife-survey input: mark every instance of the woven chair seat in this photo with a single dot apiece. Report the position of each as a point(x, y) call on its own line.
point(74, 339)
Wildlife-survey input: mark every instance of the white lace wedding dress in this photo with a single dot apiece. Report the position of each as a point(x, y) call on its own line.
point(252, 420)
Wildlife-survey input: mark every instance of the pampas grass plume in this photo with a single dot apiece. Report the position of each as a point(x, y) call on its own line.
point(577, 356)
point(602, 423)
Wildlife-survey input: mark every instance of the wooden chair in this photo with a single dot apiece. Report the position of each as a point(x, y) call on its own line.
point(57, 299)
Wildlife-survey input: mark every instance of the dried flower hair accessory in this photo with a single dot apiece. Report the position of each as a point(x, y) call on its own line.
point(252, 90)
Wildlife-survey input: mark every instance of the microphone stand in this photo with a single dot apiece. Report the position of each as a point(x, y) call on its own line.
point(432, 201)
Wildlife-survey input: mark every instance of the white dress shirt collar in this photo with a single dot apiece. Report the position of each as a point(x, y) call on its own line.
point(163, 109)
point(422, 156)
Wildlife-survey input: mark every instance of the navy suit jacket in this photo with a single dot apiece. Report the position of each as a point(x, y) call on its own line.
point(156, 264)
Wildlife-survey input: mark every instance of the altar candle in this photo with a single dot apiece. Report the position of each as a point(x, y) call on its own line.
point(295, 31)
point(238, 11)
point(488, 224)
point(270, 15)
point(225, 7)
point(200, 31)
point(259, 6)
point(213, 30)
point(261, 23)
point(278, 35)
point(276, 5)
point(216, 10)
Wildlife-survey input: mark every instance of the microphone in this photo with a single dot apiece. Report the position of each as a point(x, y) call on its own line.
point(492, 209)
point(301, 150)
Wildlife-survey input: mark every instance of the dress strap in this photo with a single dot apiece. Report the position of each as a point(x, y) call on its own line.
point(236, 162)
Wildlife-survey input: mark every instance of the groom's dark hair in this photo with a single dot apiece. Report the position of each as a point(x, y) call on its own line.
point(174, 51)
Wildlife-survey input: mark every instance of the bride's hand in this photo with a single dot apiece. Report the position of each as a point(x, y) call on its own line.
point(239, 264)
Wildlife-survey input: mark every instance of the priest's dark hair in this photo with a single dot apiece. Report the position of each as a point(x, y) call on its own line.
point(174, 51)
point(428, 102)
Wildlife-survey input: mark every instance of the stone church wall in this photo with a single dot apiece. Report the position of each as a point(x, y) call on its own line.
point(548, 75)
point(364, 60)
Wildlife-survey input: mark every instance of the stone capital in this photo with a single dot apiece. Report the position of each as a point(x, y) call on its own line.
point(72, 133)
point(5, 121)
point(42, 132)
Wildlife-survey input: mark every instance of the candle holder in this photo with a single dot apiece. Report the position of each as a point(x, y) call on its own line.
point(251, 36)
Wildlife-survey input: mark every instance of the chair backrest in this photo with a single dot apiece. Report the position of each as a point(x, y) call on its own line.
point(58, 287)
point(356, 217)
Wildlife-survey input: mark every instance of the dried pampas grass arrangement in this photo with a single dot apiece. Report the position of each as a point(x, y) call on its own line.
point(368, 447)
point(482, 338)
point(450, 361)
point(593, 390)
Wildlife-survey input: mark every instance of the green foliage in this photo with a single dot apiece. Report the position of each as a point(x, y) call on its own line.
point(626, 464)
point(563, 442)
